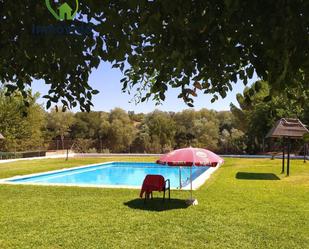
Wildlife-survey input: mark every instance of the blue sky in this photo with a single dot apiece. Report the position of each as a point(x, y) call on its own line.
point(107, 81)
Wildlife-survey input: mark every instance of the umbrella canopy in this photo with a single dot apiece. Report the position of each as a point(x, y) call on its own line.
point(191, 157)
point(1, 137)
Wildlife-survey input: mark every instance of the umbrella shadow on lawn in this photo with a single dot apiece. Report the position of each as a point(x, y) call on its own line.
point(156, 204)
point(256, 176)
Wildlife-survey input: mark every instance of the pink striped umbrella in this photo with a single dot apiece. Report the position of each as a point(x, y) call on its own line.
point(190, 157)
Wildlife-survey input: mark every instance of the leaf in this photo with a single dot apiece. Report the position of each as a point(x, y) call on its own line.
point(197, 85)
point(27, 104)
point(250, 71)
point(223, 94)
point(234, 77)
point(10, 87)
point(162, 96)
point(48, 104)
point(251, 92)
point(257, 86)
point(190, 104)
point(191, 92)
point(64, 102)
point(267, 98)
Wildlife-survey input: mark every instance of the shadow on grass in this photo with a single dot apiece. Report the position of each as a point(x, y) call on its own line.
point(156, 204)
point(256, 176)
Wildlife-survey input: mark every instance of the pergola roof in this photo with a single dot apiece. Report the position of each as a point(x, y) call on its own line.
point(288, 127)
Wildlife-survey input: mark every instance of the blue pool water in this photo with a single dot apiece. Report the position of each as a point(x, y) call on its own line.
point(114, 174)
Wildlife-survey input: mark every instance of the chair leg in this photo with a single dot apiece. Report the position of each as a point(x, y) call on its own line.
point(147, 196)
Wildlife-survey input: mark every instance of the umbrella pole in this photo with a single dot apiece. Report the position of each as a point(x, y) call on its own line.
point(191, 201)
point(191, 181)
point(180, 178)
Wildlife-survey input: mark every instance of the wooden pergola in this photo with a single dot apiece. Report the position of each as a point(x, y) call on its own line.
point(287, 129)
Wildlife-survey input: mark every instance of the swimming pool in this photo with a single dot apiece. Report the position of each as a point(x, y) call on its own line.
point(112, 174)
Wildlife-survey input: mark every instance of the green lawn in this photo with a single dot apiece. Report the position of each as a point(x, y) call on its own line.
point(245, 204)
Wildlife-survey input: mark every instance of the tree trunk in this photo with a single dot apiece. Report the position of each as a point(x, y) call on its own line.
point(62, 141)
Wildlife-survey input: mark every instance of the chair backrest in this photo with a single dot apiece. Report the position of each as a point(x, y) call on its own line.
point(157, 181)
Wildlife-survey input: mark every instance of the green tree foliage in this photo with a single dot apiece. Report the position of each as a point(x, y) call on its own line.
point(185, 134)
point(143, 142)
point(197, 128)
point(121, 131)
point(239, 131)
point(160, 129)
point(207, 133)
point(136, 117)
point(257, 114)
point(114, 131)
point(226, 120)
point(22, 126)
point(190, 45)
point(232, 141)
point(206, 129)
point(92, 125)
point(90, 131)
point(59, 124)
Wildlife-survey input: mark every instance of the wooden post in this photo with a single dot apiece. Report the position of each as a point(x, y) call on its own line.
point(283, 155)
point(67, 158)
point(305, 152)
point(289, 151)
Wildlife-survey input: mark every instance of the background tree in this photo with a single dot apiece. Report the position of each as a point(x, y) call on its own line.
point(256, 115)
point(121, 131)
point(240, 131)
point(206, 129)
point(21, 125)
point(59, 124)
point(104, 131)
point(232, 141)
point(143, 142)
point(185, 133)
point(91, 130)
point(157, 132)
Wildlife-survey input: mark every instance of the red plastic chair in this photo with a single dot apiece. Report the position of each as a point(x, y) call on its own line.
point(155, 183)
